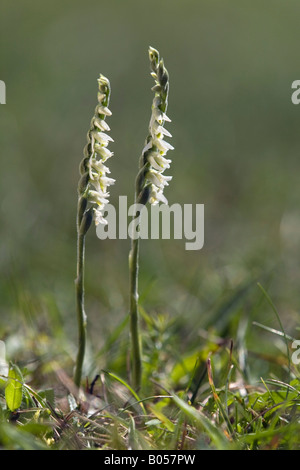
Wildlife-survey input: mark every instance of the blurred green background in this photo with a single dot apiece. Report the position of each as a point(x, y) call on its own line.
point(236, 138)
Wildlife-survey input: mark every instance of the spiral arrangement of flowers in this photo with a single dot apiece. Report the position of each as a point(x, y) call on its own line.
point(151, 179)
point(94, 183)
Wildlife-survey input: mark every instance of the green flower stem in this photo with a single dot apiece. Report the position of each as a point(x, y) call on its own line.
point(92, 197)
point(148, 188)
point(136, 353)
point(81, 316)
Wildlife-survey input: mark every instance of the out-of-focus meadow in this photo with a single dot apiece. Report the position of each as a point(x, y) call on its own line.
point(237, 151)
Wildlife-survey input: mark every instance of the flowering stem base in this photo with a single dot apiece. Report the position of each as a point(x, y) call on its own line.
point(81, 316)
point(136, 353)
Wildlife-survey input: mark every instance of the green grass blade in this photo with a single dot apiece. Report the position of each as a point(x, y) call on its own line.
point(202, 422)
point(268, 298)
point(123, 382)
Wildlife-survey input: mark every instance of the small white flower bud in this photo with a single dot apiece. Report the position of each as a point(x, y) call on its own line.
point(158, 162)
point(103, 110)
point(103, 151)
point(98, 217)
point(101, 124)
point(158, 179)
point(102, 138)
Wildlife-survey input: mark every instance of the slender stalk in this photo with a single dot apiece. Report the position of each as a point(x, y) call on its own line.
point(149, 186)
point(81, 316)
point(92, 198)
point(136, 350)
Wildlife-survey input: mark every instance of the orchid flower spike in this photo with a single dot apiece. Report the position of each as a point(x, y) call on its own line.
point(151, 181)
point(94, 182)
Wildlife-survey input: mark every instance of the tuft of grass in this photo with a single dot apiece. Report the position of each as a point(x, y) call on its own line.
point(196, 396)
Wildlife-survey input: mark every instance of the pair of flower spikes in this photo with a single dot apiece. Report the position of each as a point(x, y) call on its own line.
point(94, 182)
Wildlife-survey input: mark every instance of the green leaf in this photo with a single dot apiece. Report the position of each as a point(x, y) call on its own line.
point(14, 388)
point(48, 396)
point(123, 382)
point(201, 421)
point(153, 422)
point(15, 438)
point(168, 424)
point(185, 367)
